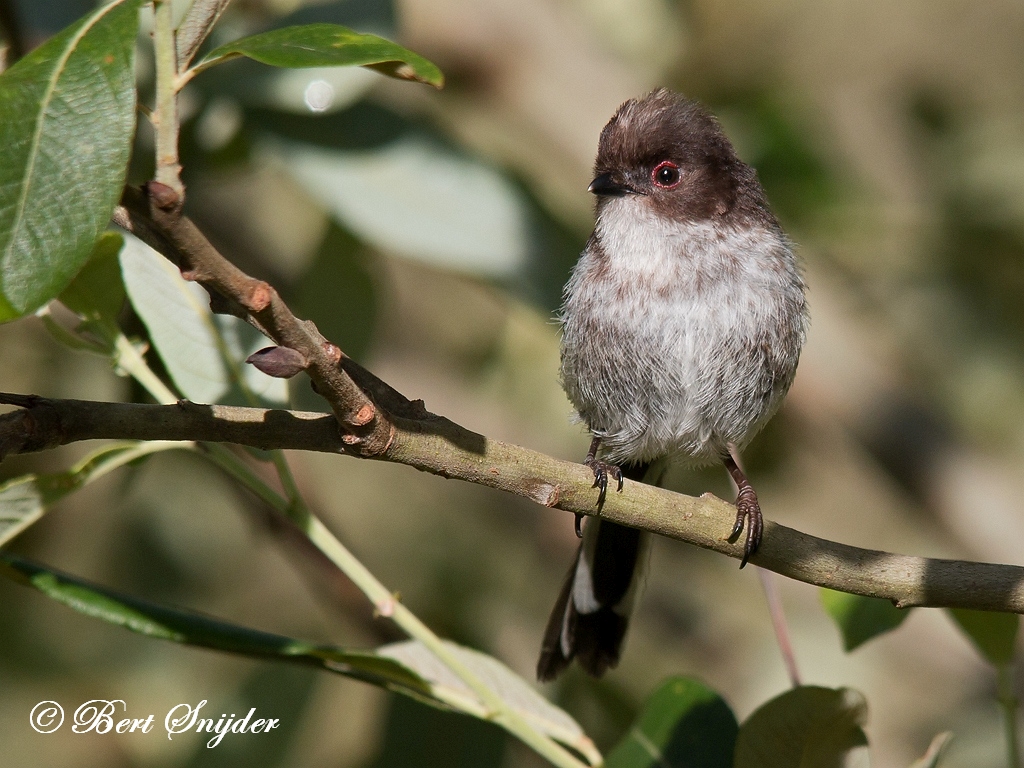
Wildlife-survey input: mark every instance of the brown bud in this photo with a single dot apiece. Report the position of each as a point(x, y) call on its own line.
point(165, 198)
point(279, 362)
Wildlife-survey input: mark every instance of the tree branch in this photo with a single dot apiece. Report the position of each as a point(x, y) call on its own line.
point(392, 428)
point(153, 214)
point(437, 445)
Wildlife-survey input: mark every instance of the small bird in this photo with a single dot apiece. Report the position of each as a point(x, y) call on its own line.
point(682, 326)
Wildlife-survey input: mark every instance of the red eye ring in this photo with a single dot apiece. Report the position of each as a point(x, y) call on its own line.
point(665, 174)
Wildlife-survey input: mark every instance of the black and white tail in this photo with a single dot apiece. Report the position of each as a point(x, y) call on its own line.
point(588, 623)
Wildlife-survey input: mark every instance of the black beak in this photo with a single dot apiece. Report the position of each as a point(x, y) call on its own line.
point(605, 185)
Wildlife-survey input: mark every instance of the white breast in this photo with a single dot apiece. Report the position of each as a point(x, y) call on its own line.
point(679, 338)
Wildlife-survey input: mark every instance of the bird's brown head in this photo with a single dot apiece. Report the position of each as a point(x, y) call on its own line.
point(671, 152)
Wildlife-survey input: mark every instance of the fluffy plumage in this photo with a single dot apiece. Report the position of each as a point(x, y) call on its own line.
point(683, 319)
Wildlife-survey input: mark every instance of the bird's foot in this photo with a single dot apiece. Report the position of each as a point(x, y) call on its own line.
point(602, 470)
point(747, 508)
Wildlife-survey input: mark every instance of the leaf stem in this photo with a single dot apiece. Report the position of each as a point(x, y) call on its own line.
point(385, 602)
point(779, 624)
point(165, 115)
point(130, 360)
point(202, 66)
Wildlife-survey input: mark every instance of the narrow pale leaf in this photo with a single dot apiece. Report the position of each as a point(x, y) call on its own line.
point(68, 118)
point(684, 724)
point(993, 634)
point(807, 727)
point(179, 321)
point(861, 618)
point(328, 45)
point(189, 628)
point(25, 499)
point(203, 352)
point(514, 691)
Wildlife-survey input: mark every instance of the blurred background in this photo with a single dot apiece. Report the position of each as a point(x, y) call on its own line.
point(429, 234)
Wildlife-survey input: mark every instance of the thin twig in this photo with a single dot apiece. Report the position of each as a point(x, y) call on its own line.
point(165, 115)
point(439, 446)
point(779, 625)
point(153, 215)
point(386, 604)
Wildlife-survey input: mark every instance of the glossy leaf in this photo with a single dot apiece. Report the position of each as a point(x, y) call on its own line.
point(445, 686)
point(807, 727)
point(683, 724)
point(861, 618)
point(993, 634)
point(25, 499)
point(189, 628)
point(328, 45)
point(68, 119)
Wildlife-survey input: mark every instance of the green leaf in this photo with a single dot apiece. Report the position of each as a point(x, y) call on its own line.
point(685, 724)
point(993, 634)
point(446, 687)
point(328, 45)
point(96, 296)
point(406, 667)
point(861, 618)
point(68, 119)
point(188, 628)
point(25, 499)
point(97, 292)
point(807, 727)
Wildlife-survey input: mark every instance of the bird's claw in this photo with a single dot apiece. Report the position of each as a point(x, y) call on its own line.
point(601, 470)
point(747, 507)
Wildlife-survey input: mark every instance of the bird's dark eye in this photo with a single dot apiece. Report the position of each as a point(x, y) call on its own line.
point(665, 174)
